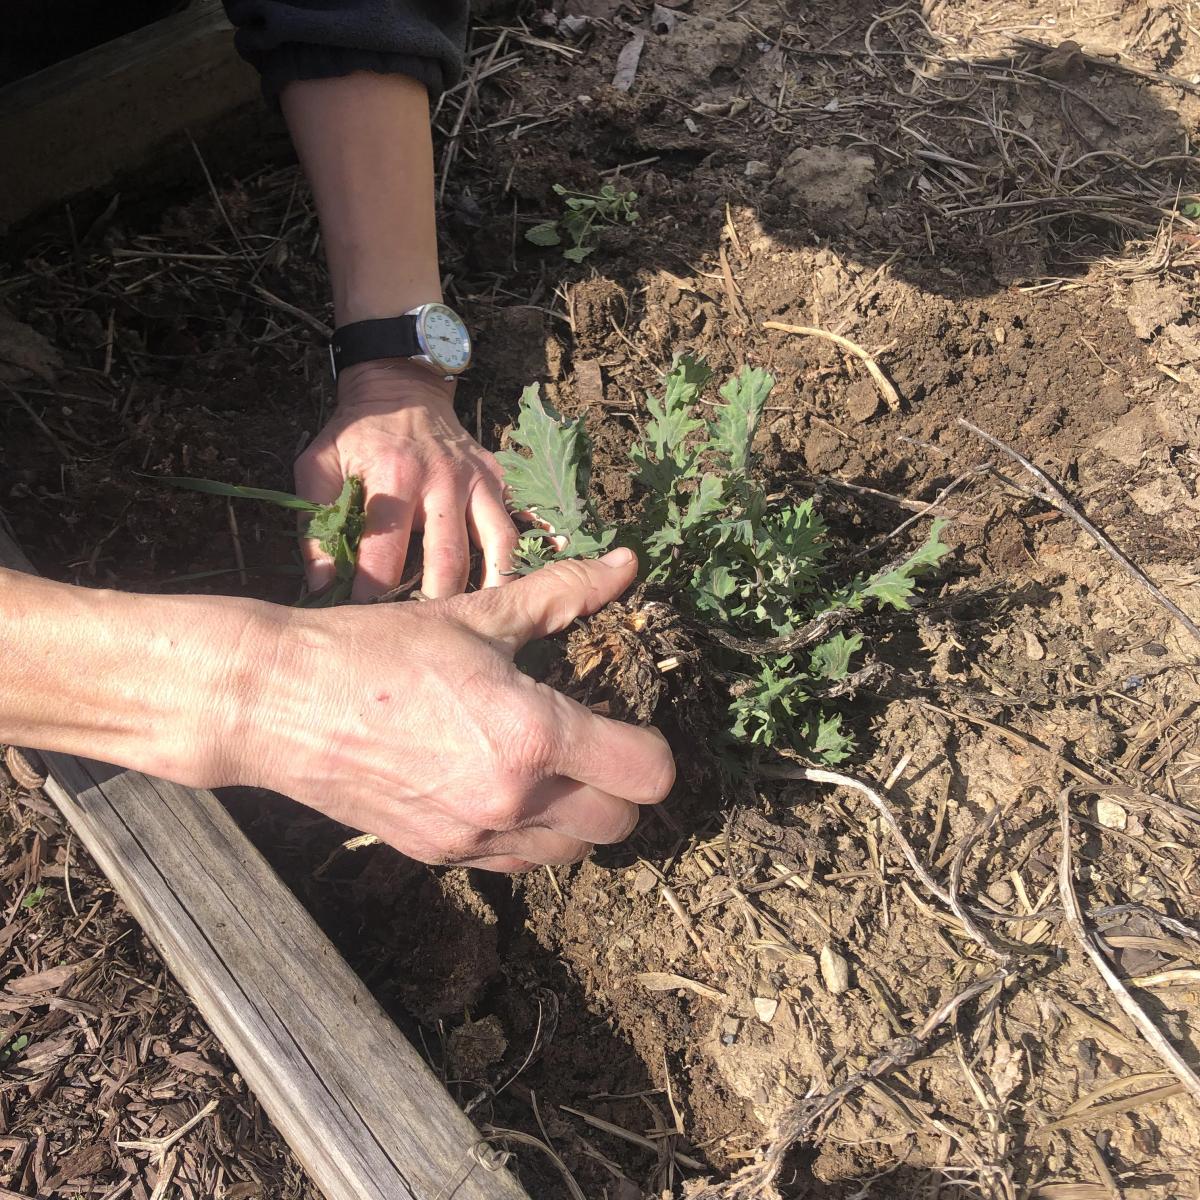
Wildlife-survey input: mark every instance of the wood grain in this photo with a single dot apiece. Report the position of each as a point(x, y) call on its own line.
point(77, 124)
point(359, 1108)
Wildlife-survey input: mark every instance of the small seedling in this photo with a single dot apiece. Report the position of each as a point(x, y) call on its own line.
point(14, 1047)
point(338, 527)
point(34, 898)
point(708, 536)
point(582, 212)
point(1191, 208)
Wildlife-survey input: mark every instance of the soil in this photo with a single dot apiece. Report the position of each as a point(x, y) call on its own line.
point(997, 224)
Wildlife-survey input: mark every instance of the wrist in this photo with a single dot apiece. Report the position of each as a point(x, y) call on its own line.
point(153, 683)
point(367, 290)
point(402, 381)
point(279, 710)
point(192, 686)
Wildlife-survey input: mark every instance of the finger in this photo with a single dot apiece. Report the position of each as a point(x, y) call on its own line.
point(550, 599)
point(462, 847)
point(446, 550)
point(546, 847)
point(582, 811)
point(493, 532)
point(318, 479)
point(626, 761)
point(503, 864)
point(384, 544)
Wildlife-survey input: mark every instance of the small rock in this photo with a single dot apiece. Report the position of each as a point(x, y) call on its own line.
point(25, 352)
point(830, 183)
point(475, 1046)
point(1173, 1024)
point(1033, 648)
point(1002, 892)
point(766, 1007)
point(1154, 306)
point(862, 403)
point(589, 382)
point(835, 971)
point(1064, 62)
point(729, 1030)
point(1110, 814)
point(662, 19)
point(757, 169)
point(645, 881)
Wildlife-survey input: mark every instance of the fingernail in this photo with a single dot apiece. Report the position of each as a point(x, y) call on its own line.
point(620, 557)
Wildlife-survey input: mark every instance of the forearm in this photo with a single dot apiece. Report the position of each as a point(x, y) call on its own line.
point(366, 146)
point(154, 683)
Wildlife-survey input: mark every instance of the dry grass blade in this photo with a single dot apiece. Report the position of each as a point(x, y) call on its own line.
point(886, 388)
point(665, 981)
point(496, 1134)
point(1054, 495)
point(627, 1135)
point(1074, 918)
point(1100, 1111)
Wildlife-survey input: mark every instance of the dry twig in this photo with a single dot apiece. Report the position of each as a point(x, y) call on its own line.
point(1053, 495)
point(1132, 1009)
point(886, 388)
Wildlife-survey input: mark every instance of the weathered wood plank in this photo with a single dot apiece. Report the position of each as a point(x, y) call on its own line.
point(362, 1112)
point(77, 124)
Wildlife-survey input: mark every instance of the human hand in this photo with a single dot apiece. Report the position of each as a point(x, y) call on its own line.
point(411, 722)
point(394, 427)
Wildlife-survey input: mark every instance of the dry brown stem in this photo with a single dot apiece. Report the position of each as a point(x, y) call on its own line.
point(1171, 1057)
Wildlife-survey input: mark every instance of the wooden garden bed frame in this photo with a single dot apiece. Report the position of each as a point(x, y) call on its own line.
point(362, 1112)
point(79, 124)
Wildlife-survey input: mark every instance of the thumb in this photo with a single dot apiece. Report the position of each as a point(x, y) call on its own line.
point(550, 599)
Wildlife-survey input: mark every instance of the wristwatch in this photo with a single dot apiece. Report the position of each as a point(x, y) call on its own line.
point(432, 334)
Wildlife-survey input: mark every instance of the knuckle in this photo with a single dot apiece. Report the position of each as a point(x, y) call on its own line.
point(500, 812)
point(528, 744)
point(573, 572)
point(447, 553)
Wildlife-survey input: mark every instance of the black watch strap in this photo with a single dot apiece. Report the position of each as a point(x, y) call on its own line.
point(365, 341)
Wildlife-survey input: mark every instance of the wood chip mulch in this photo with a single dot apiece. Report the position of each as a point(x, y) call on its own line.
point(111, 1086)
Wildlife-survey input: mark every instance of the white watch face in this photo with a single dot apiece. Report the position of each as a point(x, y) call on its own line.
point(444, 338)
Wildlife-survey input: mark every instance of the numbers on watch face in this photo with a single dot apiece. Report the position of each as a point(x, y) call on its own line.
point(444, 338)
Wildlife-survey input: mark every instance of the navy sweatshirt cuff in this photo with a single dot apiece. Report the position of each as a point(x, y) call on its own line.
point(301, 60)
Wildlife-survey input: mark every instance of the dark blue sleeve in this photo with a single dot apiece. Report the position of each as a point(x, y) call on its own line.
point(319, 39)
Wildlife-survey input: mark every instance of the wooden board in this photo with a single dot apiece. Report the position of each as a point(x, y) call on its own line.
point(358, 1106)
point(77, 124)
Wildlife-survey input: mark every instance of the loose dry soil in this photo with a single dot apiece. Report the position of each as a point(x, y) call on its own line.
point(993, 215)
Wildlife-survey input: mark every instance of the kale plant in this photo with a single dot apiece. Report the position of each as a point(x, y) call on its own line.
point(757, 572)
